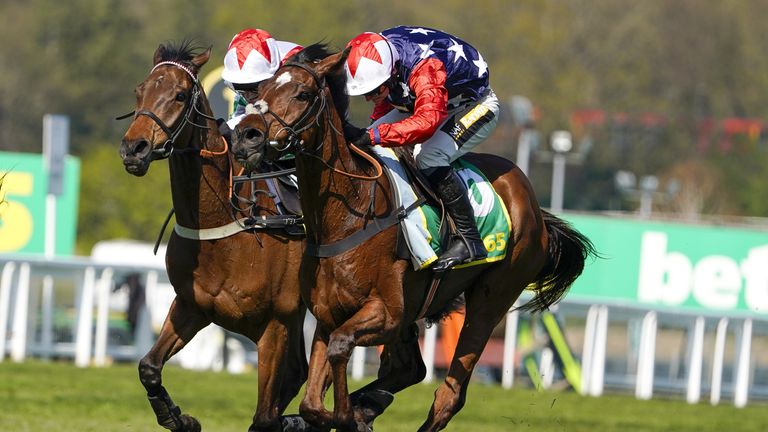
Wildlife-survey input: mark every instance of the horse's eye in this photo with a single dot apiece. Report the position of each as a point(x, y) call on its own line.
point(181, 97)
point(305, 96)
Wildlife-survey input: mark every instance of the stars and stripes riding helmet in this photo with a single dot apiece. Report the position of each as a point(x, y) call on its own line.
point(370, 63)
point(252, 56)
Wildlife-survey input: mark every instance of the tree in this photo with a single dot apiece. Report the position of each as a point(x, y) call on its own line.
point(688, 61)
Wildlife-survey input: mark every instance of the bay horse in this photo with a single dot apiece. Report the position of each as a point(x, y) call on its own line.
point(243, 281)
point(364, 294)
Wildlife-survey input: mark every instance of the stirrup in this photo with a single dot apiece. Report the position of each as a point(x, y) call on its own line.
point(452, 257)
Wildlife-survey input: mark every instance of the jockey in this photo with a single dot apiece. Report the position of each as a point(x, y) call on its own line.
point(432, 88)
point(252, 56)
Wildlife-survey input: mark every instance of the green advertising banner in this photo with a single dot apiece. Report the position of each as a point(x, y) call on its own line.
point(22, 213)
point(679, 266)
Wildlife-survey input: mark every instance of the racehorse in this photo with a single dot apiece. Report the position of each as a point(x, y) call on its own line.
point(245, 282)
point(364, 295)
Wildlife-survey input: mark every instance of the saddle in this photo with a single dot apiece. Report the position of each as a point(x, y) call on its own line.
point(423, 191)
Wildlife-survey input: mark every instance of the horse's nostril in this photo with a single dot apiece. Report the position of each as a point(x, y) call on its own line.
point(253, 134)
point(140, 147)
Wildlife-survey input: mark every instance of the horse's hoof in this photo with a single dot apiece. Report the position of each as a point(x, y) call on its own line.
point(190, 424)
point(373, 402)
point(295, 423)
point(364, 427)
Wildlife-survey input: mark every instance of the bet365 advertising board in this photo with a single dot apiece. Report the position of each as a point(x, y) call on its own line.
point(697, 268)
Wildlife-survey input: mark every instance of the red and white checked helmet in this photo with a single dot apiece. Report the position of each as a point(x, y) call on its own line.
point(252, 57)
point(370, 63)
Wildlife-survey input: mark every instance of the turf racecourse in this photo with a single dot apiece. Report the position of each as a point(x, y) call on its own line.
point(37, 396)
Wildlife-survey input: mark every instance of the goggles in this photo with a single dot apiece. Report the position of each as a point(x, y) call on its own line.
point(374, 92)
point(247, 89)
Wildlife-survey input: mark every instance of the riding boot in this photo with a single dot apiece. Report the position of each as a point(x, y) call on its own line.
point(466, 245)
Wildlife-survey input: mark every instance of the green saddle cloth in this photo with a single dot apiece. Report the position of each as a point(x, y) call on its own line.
point(491, 215)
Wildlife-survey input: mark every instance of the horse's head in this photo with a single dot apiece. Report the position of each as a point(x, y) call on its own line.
point(291, 107)
point(166, 103)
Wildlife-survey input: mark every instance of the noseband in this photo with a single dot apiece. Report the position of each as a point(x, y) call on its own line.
point(190, 109)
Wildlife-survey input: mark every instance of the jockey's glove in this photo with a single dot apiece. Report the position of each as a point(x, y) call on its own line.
point(352, 133)
point(364, 140)
point(224, 129)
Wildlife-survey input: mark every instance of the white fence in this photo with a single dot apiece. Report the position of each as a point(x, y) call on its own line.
point(69, 309)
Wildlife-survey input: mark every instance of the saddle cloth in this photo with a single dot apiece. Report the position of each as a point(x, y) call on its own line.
point(421, 225)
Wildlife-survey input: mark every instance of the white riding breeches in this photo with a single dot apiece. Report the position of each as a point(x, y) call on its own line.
point(466, 126)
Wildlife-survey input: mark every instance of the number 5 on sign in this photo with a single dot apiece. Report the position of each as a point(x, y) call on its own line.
point(15, 218)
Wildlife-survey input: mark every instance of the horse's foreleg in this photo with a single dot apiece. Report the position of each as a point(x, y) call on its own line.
point(483, 313)
point(401, 366)
point(296, 367)
point(273, 374)
point(367, 326)
point(312, 408)
point(180, 326)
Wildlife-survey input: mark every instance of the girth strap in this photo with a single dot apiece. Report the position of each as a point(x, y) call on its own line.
point(375, 226)
point(242, 224)
point(212, 233)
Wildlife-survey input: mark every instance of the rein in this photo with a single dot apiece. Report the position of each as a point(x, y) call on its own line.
point(191, 109)
point(294, 140)
point(295, 143)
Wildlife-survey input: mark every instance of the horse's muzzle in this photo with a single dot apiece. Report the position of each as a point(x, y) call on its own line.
point(136, 155)
point(248, 146)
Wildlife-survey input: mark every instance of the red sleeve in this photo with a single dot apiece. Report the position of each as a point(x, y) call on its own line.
point(427, 81)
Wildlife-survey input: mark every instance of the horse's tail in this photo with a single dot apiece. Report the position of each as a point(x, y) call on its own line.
point(568, 251)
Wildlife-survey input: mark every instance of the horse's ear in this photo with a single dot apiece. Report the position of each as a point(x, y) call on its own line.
point(332, 64)
point(199, 60)
point(159, 54)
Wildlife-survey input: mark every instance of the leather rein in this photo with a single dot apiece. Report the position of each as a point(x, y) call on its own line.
point(295, 143)
point(190, 111)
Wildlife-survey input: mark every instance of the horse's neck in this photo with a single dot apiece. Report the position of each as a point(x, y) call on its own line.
point(334, 205)
point(200, 186)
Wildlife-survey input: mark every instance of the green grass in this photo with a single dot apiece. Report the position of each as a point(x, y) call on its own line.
point(37, 396)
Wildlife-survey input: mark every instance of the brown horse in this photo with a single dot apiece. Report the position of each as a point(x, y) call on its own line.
point(243, 281)
point(365, 295)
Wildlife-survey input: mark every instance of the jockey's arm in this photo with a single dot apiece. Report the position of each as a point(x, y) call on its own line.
point(427, 81)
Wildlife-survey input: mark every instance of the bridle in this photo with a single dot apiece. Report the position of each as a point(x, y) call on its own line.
point(294, 142)
point(190, 110)
point(304, 122)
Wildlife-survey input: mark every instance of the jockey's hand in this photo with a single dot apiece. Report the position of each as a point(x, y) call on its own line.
point(364, 140)
point(224, 129)
point(352, 133)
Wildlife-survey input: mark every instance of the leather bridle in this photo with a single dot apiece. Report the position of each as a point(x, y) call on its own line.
point(191, 109)
point(294, 142)
point(303, 123)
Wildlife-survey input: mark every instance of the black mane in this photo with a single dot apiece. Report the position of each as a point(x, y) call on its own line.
point(312, 53)
point(336, 82)
point(182, 52)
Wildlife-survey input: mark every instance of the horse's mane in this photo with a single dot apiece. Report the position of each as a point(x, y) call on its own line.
point(182, 52)
point(336, 82)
